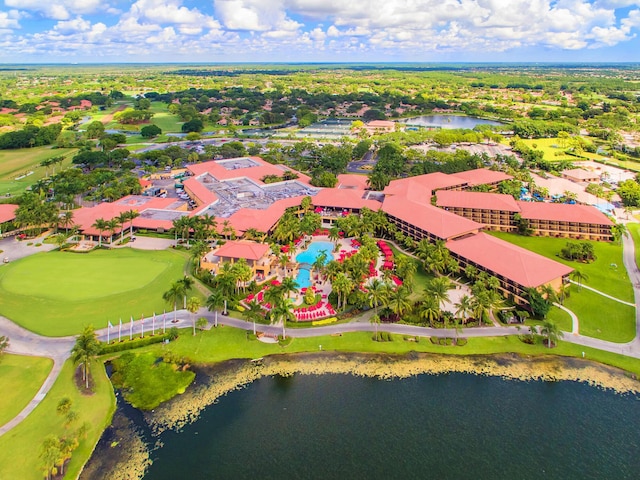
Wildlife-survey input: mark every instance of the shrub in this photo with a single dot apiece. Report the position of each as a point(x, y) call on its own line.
point(461, 342)
point(131, 344)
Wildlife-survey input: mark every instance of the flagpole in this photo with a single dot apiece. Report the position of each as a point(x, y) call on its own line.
point(108, 330)
point(131, 329)
point(120, 331)
point(142, 326)
point(164, 322)
point(153, 325)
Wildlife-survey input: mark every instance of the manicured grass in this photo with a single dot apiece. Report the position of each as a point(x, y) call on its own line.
point(603, 275)
point(601, 317)
point(14, 163)
point(21, 377)
point(20, 448)
point(225, 343)
point(551, 153)
point(167, 122)
point(57, 293)
point(561, 318)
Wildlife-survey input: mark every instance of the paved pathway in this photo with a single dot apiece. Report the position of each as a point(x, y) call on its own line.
point(575, 324)
point(582, 285)
point(27, 343)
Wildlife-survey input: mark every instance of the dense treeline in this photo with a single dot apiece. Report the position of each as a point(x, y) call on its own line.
point(30, 136)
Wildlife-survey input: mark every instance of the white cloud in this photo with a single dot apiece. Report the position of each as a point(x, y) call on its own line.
point(57, 9)
point(255, 15)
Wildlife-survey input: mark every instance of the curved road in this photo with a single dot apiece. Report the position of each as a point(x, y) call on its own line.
point(25, 342)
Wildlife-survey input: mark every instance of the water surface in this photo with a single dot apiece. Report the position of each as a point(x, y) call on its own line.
point(448, 121)
point(453, 426)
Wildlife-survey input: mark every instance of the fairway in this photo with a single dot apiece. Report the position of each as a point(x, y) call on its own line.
point(57, 293)
point(21, 377)
point(15, 163)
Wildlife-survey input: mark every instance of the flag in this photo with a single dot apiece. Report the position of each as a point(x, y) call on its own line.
point(110, 325)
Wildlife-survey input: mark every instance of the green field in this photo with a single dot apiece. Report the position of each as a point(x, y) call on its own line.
point(20, 448)
point(634, 230)
point(167, 122)
point(561, 318)
point(606, 274)
point(57, 293)
point(15, 163)
point(21, 377)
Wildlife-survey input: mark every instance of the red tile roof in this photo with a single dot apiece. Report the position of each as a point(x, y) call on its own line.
point(420, 188)
point(563, 212)
point(434, 220)
point(242, 249)
point(261, 220)
point(353, 180)
point(525, 268)
point(7, 212)
point(206, 196)
point(481, 176)
point(343, 198)
point(479, 200)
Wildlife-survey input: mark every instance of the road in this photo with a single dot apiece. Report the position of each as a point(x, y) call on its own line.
point(25, 342)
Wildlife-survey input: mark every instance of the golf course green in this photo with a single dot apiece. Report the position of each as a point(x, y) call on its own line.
point(58, 293)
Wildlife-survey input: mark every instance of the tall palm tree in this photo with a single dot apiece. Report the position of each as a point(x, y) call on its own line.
point(551, 331)
point(375, 321)
point(579, 276)
point(439, 289)
point(112, 226)
point(464, 307)
point(101, 225)
point(193, 305)
point(252, 313)
point(342, 286)
point(283, 311)
point(378, 293)
point(123, 218)
point(66, 220)
point(214, 302)
point(289, 285)
point(85, 349)
point(399, 302)
point(174, 295)
point(429, 310)
point(186, 284)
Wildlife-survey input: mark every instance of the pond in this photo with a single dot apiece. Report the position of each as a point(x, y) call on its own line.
point(448, 121)
point(452, 426)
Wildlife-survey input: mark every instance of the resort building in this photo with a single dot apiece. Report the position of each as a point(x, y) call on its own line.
point(580, 175)
point(376, 127)
point(257, 255)
point(517, 269)
point(7, 215)
point(502, 213)
point(496, 211)
point(333, 203)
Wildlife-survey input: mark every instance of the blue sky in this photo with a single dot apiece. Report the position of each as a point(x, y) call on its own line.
point(64, 31)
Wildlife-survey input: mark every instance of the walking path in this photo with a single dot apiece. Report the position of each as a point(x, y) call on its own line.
point(582, 285)
point(24, 342)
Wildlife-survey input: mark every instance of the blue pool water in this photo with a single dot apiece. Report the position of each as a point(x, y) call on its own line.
point(303, 279)
point(311, 253)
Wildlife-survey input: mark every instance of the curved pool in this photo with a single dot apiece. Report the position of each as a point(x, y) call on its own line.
point(307, 258)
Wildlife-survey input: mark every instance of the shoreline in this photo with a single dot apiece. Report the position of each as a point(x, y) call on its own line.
point(230, 375)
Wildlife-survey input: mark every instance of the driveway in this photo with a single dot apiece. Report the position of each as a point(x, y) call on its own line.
point(14, 249)
point(151, 243)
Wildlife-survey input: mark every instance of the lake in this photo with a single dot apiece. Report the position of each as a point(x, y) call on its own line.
point(453, 426)
point(448, 121)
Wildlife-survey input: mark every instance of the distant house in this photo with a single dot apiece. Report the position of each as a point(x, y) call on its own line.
point(380, 126)
point(257, 255)
point(580, 175)
point(7, 216)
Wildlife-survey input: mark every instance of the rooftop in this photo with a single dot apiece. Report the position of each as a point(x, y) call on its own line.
point(421, 188)
point(524, 267)
point(242, 249)
point(482, 176)
point(562, 212)
point(7, 212)
point(438, 222)
point(345, 198)
point(477, 200)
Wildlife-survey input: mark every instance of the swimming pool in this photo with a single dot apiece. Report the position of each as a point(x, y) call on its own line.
point(307, 258)
point(311, 253)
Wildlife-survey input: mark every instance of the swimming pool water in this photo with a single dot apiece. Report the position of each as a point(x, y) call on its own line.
point(303, 279)
point(311, 253)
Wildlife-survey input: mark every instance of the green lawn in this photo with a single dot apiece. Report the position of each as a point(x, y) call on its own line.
point(551, 149)
point(601, 317)
point(225, 343)
point(561, 318)
point(606, 274)
point(167, 122)
point(57, 293)
point(21, 377)
point(15, 163)
point(20, 448)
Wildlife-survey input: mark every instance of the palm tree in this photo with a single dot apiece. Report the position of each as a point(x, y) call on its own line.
point(551, 331)
point(50, 455)
point(66, 220)
point(196, 252)
point(439, 289)
point(429, 310)
point(112, 226)
point(464, 307)
point(193, 305)
point(319, 262)
point(578, 276)
point(4, 343)
point(549, 293)
point(283, 311)
point(618, 231)
point(187, 284)
point(399, 302)
point(375, 321)
point(85, 349)
point(289, 285)
point(214, 302)
point(173, 295)
point(101, 225)
point(378, 293)
point(252, 313)
point(122, 219)
point(342, 286)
